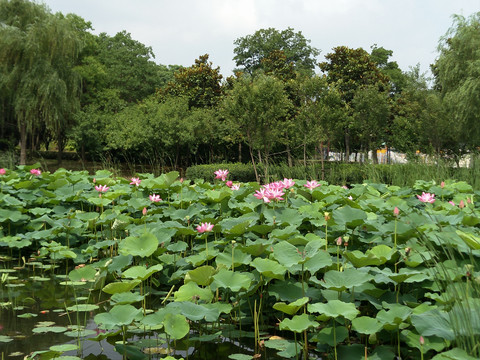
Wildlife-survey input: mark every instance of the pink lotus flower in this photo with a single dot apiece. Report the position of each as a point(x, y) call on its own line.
point(221, 174)
point(229, 183)
point(339, 241)
point(2, 171)
point(204, 227)
point(345, 187)
point(442, 184)
point(312, 184)
point(35, 172)
point(426, 197)
point(101, 188)
point(269, 192)
point(155, 198)
point(288, 183)
point(396, 211)
point(451, 203)
point(235, 187)
point(135, 181)
point(261, 194)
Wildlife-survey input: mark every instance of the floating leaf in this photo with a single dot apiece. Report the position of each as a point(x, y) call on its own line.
point(119, 287)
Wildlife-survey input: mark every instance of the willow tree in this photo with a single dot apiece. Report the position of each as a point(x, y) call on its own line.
point(37, 58)
point(457, 76)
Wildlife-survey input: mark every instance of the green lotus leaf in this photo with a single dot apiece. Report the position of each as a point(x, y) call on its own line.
point(5, 339)
point(83, 307)
point(326, 335)
point(335, 308)
point(176, 326)
point(342, 280)
point(269, 268)
point(119, 315)
point(192, 292)
point(320, 260)
point(291, 308)
point(287, 348)
point(470, 239)
point(454, 354)
point(45, 329)
point(141, 272)
point(82, 274)
point(143, 245)
point(349, 216)
point(366, 325)
point(412, 340)
point(202, 275)
point(99, 201)
point(240, 357)
point(394, 317)
point(239, 258)
point(119, 287)
point(234, 281)
point(298, 323)
point(126, 298)
point(103, 336)
point(287, 254)
point(64, 347)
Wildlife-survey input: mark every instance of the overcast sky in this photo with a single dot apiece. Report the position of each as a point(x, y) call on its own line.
point(182, 30)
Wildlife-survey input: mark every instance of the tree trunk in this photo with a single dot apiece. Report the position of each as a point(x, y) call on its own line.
point(253, 163)
point(240, 152)
point(23, 143)
point(289, 156)
point(347, 145)
point(322, 160)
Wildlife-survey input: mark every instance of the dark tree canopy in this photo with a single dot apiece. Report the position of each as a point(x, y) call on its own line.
point(250, 50)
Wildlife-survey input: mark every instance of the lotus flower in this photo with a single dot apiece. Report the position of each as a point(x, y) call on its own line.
point(101, 188)
point(135, 181)
point(2, 171)
point(261, 194)
point(451, 203)
point(229, 183)
point(288, 183)
point(235, 187)
point(312, 184)
point(426, 197)
point(154, 198)
point(204, 227)
point(221, 174)
point(396, 212)
point(35, 172)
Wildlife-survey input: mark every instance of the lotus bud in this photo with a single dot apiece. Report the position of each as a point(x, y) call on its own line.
point(461, 205)
point(396, 211)
point(442, 184)
point(339, 241)
point(144, 211)
point(326, 215)
point(407, 251)
point(422, 340)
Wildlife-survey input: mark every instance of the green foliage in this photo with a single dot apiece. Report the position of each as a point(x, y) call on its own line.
point(458, 76)
point(251, 51)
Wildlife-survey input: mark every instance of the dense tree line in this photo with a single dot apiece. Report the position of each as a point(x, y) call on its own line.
point(105, 96)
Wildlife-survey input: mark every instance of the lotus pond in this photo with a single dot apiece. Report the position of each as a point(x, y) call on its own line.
point(99, 267)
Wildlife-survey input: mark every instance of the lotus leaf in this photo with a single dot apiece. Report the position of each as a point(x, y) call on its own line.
point(118, 315)
point(366, 325)
point(176, 326)
point(119, 287)
point(326, 336)
point(335, 308)
point(343, 280)
point(269, 268)
point(143, 245)
point(234, 281)
point(192, 292)
point(201, 275)
point(141, 272)
point(298, 323)
point(291, 308)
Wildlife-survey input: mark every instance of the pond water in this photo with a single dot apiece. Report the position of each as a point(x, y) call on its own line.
point(33, 318)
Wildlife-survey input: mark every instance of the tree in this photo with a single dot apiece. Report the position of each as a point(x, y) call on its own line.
point(457, 71)
point(200, 83)
point(348, 70)
point(39, 51)
point(256, 110)
point(250, 50)
point(129, 66)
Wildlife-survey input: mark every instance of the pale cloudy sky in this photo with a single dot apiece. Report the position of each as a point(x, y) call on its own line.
point(182, 30)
